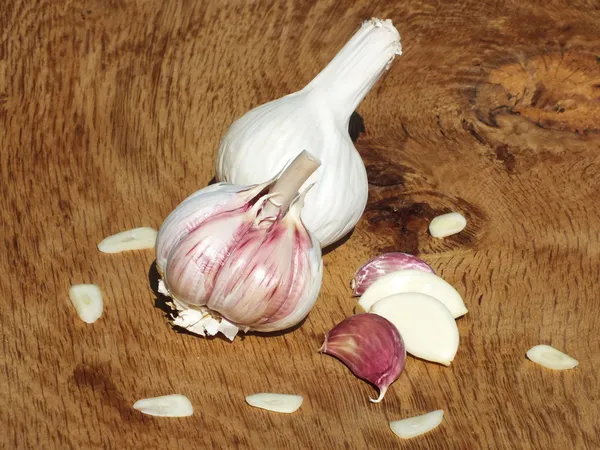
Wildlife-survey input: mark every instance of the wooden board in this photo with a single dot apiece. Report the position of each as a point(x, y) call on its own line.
point(111, 113)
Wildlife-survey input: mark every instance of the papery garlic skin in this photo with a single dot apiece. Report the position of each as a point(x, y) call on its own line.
point(241, 259)
point(371, 347)
point(258, 144)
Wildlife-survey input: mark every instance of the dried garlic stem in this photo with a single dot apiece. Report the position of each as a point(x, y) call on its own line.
point(291, 180)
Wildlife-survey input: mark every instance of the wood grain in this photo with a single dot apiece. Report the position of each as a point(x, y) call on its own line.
point(110, 114)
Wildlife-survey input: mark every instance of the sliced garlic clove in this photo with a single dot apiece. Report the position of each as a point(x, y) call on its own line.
point(415, 426)
point(135, 239)
point(281, 403)
point(87, 300)
point(551, 358)
point(410, 280)
point(427, 327)
point(174, 405)
point(447, 225)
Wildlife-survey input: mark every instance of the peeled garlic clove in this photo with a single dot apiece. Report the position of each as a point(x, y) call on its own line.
point(381, 265)
point(551, 358)
point(415, 426)
point(411, 280)
point(371, 347)
point(447, 225)
point(281, 403)
point(174, 405)
point(427, 327)
point(87, 300)
point(135, 239)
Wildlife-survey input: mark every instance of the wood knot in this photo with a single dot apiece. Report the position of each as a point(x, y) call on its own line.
point(557, 91)
point(406, 220)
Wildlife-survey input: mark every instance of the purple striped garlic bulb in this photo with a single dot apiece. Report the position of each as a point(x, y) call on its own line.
point(239, 257)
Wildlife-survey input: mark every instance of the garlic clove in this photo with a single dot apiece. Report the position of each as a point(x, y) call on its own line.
point(87, 300)
point(371, 347)
point(281, 403)
point(427, 327)
point(174, 405)
point(381, 265)
point(135, 239)
point(447, 225)
point(271, 280)
point(551, 358)
point(415, 426)
point(197, 209)
point(411, 280)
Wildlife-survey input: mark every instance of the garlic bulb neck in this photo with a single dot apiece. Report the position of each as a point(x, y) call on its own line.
point(349, 77)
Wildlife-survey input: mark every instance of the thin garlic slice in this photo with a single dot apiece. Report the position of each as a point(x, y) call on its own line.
point(281, 403)
point(447, 225)
point(415, 426)
point(427, 327)
point(411, 280)
point(549, 357)
point(87, 300)
point(135, 239)
point(174, 405)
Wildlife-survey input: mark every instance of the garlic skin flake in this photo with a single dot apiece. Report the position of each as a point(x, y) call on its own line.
point(87, 300)
point(551, 358)
point(411, 280)
point(427, 327)
point(447, 225)
point(281, 403)
point(258, 144)
point(415, 426)
point(174, 405)
point(236, 257)
point(381, 265)
point(371, 347)
point(135, 239)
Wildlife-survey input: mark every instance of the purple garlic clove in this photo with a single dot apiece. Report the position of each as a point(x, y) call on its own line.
point(371, 347)
point(381, 265)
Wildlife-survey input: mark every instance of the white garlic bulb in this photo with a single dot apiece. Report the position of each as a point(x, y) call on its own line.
point(316, 118)
point(236, 257)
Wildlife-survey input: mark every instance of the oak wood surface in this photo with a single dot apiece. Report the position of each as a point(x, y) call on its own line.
point(110, 114)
